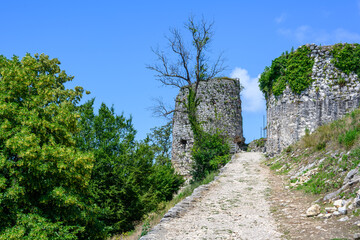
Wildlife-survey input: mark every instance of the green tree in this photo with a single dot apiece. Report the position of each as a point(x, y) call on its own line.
point(44, 178)
point(111, 139)
point(126, 181)
point(160, 140)
point(164, 181)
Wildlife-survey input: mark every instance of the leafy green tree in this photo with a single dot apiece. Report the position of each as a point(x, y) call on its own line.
point(126, 181)
point(111, 139)
point(160, 140)
point(164, 181)
point(44, 178)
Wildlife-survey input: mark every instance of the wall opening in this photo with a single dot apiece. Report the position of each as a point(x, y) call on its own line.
point(183, 143)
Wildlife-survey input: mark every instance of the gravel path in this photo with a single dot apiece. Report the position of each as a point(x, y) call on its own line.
point(234, 206)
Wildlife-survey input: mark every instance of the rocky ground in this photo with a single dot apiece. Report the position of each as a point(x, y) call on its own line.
point(248, 201)
point(289, 208)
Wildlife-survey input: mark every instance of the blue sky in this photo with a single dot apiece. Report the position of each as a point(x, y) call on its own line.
point(106, 45)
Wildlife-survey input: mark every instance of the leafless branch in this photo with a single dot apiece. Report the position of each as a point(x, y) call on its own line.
point(188, 66)
point(159, 109)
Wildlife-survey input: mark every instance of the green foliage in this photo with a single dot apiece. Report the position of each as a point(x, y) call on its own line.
point(321, 146)
point(127, 180)
point(347, 57)
point(33, 227)
point(191, 106)
point(209, 153)
point(326, 178)
point(44, 178)
point(289, 149)
point(276, 166)
point(292, 69)
point(298, 70)
point(160, 140)
point(274, 75)
point(348, 139)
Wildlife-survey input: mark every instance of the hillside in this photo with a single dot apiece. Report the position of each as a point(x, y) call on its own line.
point(324, 166)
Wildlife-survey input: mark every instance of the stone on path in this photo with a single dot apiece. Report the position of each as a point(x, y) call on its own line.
point(314, 210)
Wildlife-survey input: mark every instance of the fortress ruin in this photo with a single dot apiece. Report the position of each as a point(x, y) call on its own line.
point(219, 109)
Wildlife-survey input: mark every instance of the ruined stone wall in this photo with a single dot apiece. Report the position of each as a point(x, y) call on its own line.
point(220, 108)
point(326, 100)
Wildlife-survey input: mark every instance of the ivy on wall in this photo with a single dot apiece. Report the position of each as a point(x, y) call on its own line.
point(347, 57)
point(290, 69)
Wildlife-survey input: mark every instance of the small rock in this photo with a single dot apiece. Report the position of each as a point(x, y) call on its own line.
point(339, 203)
point(357, 223)
point(356, 236)
point(357, 201)
point(325, 216)
point(330, 209)
point(336, 213)
point(314, 210)
point(343, 219)
point(342, 210)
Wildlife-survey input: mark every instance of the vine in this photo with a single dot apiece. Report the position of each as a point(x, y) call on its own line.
point(347, 57)
point(210, 151)
point(290, 69)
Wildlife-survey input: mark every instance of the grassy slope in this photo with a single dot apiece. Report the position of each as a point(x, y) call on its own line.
point(320, 161)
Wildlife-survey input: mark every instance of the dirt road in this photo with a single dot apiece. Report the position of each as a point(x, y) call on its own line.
point(234, 206)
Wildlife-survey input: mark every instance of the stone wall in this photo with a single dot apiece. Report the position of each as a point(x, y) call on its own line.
point(220, 108)
point(326, 100)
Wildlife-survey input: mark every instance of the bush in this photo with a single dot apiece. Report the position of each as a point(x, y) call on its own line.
point(209, 153)
point(290, 69)
point(348, 139)
point(129, 178)
point(347, 57)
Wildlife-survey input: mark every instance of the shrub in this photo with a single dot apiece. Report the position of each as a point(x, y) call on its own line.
point(290, 69)
point(209, 152)
point(347, 57)
point(129, 178)
point(348, 139)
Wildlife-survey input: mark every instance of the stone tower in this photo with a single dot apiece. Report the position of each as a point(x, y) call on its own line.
point(220, 108)
point(331, 95)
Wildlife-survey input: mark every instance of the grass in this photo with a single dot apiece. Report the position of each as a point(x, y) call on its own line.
point(154, 218)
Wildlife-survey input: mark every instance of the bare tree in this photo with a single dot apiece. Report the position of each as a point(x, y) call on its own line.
point(186, 66)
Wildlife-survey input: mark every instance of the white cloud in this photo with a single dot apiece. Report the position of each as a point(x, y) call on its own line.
point(281, 18)
point(306, 34)
point(252, 98)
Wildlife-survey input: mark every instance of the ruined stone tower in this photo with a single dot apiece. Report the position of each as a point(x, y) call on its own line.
point(330, 96)
point(220, 108)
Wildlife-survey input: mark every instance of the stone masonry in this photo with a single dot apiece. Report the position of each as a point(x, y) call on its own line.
point(220, 108)
point(327, 99)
